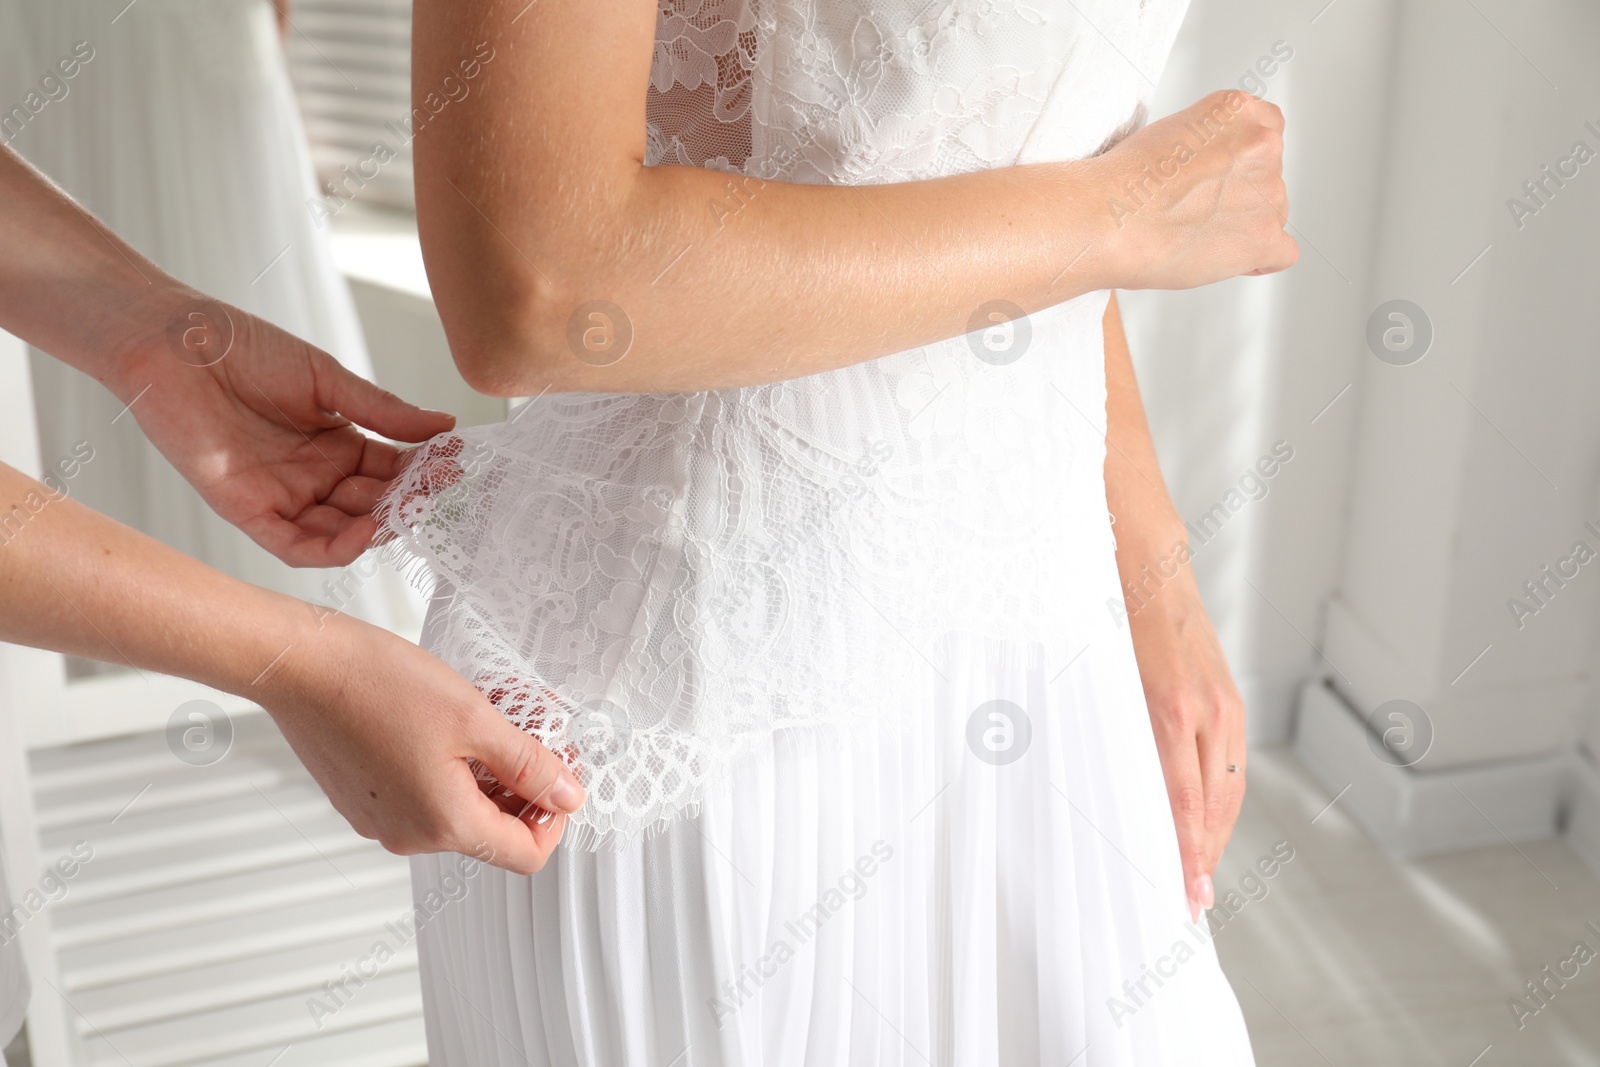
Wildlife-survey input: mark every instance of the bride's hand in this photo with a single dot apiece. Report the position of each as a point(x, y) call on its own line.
point(264, 426)
point(1198, 196)
point(389, 731)
point(1199, 723)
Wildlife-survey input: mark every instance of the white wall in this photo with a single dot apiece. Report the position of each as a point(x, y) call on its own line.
point(1426, 495)
point(1478, 465)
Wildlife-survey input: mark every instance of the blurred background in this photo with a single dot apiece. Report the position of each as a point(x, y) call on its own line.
point(1406, 599)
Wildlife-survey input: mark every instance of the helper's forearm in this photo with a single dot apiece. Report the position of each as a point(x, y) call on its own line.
point(67, 283)
point(74, 581)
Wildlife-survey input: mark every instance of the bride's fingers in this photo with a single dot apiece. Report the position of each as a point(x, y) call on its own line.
point(352, 539)
point(1237, 757)
point(1180, 765)
point(1220, 749)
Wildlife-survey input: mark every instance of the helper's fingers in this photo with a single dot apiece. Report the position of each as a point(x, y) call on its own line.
point(524, 766)
point(326, 538)
point(356, 495)
point(381, 460)
point(340, 537)
point(376, 409)
point(522, 846)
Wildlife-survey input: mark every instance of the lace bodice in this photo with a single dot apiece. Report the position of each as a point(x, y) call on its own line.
point(652, 584)
point(844, 92)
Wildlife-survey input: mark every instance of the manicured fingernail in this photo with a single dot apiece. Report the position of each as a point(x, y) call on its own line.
point(566, 794)
point(1203, 891)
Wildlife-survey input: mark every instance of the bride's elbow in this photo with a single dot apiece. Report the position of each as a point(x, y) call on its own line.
point(494, 375)
point(508, 347)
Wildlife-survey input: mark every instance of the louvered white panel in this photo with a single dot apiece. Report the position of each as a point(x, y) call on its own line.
point(202, 1037)
point(351, 64)
point(218, 902)
point(365, 1046)
point(118, 957)
point(260, 976)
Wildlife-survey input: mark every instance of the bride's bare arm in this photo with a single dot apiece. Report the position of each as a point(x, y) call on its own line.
point(1196, 712)
point(533, 201)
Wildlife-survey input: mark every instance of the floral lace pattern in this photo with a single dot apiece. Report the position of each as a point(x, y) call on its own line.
point(844, 93)
point(655, 584)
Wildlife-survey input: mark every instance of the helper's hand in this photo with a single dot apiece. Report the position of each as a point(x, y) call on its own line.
point(388, 730)
point(265, 427)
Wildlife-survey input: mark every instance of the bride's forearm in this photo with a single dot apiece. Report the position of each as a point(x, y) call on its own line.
point(1150, 535)
point(726, 281)
point(1196, 715)
point(559, 261)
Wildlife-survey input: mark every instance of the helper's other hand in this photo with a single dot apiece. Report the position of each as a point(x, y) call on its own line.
point(388, 731)
point(267, 427)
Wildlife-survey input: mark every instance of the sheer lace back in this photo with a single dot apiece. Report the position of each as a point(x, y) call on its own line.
point(700, 84)
point(832, 91)
point(656, 585)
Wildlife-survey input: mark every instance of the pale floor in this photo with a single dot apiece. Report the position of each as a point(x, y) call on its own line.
point(1349, 958)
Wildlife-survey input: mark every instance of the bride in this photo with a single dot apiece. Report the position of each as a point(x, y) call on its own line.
point(802, 550)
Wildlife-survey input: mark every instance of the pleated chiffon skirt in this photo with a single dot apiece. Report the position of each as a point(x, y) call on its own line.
point(998, 884)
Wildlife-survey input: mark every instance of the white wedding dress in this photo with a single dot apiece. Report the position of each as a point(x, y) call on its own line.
point(840, 659)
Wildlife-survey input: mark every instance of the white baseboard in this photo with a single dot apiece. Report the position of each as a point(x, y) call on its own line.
point(1583, 809)
point(1415, 811)
point(1472, 719)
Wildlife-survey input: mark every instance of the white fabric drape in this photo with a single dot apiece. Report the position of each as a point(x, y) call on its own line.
point(181, 132)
